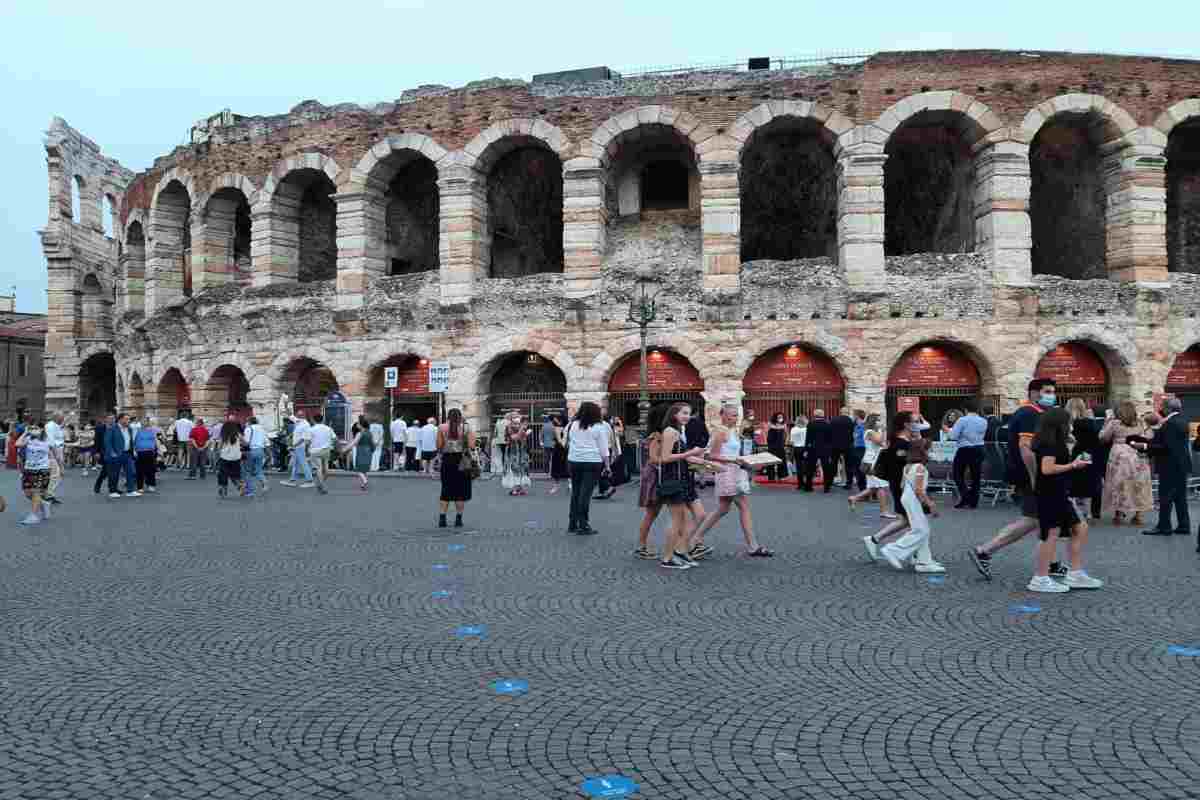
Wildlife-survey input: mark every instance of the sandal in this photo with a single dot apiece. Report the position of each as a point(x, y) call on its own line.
point(645, 553)
point(760, 552)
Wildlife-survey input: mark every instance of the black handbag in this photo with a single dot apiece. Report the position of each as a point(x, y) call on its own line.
point(669, 490)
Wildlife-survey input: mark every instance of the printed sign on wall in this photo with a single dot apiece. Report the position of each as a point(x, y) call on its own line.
point(793, 368)
point(935, 366)
point(1073, 364)
point(666, 371)
point(1185, 372)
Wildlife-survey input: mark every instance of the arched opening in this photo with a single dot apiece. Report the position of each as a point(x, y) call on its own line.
point(670, 378)
point(652, 168)
point(1078, 371)
point(789, 196)
point(97, 386)
point(306, 216)
point(1183, 198)
point(932, 378)
point(133, 267)
point(107, 215)
point(77, 200)
point(525, 210)
point(792, 380)
point(227, 237)
point(412, 215)
point(530, 385)
point(309, 383)
point(1068, 200)
point(410, 398)
point(929, 185)
point(172, 279)
point(137, 396)
point(227, 393)
point(95, 321)
point(174, 394)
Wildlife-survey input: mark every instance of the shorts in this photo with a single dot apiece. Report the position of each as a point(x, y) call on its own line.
point(1062, 517)
point(397, 448)
point(733, 481)
point(35, 481)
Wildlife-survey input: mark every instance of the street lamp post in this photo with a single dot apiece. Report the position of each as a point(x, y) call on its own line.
point(643, 311)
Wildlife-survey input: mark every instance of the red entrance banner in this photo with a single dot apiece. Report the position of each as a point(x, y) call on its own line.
point(792, 369)
point(183, 396)
point(666, 371)
point(412, 377)
point(1186, 370)
point(912, 404)
point(1073, 364)
point(933, 366)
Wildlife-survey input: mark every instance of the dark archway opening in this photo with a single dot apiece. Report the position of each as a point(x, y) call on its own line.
point(1067, 198)
point(525, 213)
point(928, 184)
point(413, 219)
point(1183, 198)
point(306, 196)
point(664, 185)
point(98, 385)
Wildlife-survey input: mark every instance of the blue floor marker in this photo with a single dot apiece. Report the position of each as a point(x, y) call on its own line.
point(1183, 650)
point(609, 786)
point(457, 548)
point(440, 594)
point(1024, 608)
point(937, 580)
point(464, 631)
point(440, 567)
point(510, 686)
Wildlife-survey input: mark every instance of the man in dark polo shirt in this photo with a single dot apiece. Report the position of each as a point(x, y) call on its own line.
point(1022, 468)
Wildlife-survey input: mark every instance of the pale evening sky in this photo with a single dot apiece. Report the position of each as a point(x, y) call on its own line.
point(134, 76)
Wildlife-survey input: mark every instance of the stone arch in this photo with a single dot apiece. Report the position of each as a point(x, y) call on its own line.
point(474, 373)
point(606, 362)
point(831, 346)
point(1181, 112)
point(309, 160)
point(980, 120)
point(604, 141)
point(482, 152)
point(989, 374)
point(295, 221)
point(278, 370)
point(1119, 353)
point(222, 251)
point(229, 180)
point(374, 160)
point(1117, 121)
point(184, 178)
point(834, 122)
point(135, 221)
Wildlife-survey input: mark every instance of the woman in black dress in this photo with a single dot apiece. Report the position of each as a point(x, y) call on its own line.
point(776, 439)
point(1085, 483)
point(453, 440)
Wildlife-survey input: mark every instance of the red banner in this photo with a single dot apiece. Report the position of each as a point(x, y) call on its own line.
point(666, 371)
point(1073, 364)
point(183, 395)
point(912, 404)
point(793, 369)
point(1186, 370)
point(413, 377)
point(933, 366)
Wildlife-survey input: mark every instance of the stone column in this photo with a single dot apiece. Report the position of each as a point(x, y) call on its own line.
point(585, 217)
point(166, 260)
point(213, 262)
point(275, 238)
point(1135, 183)
point(1003, 231)
point(133, 278)
point(464, 243)
point(871, 398)
point(860, 219)
point(720, 222)
point(361, 241)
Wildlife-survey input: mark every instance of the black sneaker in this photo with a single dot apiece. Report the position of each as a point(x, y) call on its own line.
point(1059, 570)
point(983, 563)
point(686, 559)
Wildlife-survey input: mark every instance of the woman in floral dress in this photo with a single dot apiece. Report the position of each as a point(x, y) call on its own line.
point(1127, 488)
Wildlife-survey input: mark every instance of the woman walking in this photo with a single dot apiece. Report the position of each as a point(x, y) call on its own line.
point(1127, 488)
point(145, 454)
point(733, 482)
point(454, 439)
point(676, 485)
point(256, 456)
point(35, 472)
point(1085, 484)
point(620, 467)
point(516, 462)
point(229, 458)
point(362, 450)
point(777, 432)
point(890, 467)
point(876, 487)
point(587, 447)
point(918, 508)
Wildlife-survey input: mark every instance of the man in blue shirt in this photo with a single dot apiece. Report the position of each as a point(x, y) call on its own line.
point(969, 431)
point(854, 473)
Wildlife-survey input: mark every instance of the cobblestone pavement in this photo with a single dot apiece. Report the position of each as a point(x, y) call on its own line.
point(291, 646)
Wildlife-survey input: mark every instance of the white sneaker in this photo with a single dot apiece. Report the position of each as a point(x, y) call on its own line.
point(135, 493)
point(151, 490)
point(308, 485)
point(45, 510)
point(1079, 579)
point(287, 483)
point(32, 519)
point(888, 551)
point(114, 495)
point(929, 567)
point(1044, 583)
point(872, 548)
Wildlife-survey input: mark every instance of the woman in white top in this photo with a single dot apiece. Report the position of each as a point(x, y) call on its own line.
point(256, 457)
point(588, 454)
point(733, 482)
point(798, 435)
point(876, 487)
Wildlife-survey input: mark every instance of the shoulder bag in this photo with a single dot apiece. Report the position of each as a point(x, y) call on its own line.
point(672, 489)
point(468, 464)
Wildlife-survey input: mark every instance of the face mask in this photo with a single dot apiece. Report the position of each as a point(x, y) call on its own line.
point(1046, 400)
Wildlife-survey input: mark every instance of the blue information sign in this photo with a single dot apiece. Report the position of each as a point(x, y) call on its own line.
point(510, 686)
point(609, 786)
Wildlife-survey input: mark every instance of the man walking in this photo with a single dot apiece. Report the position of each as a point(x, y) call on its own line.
point(183, 438)
point(429, 445)
point(376, 429)
point(118, 457)
point(101, 442)
point(321, 440)
point(819, 443)
point(854, 473)
point(969, 431)
point(399, 429)
point(1173, 464)
point(843, 443)
point(56, 439)
point(198, 451)
point(301, 434)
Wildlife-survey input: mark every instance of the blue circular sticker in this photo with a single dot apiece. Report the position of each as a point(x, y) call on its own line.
point(1024, 608)
point(440, 567)
point(440, 594)
point(609, 786)
point(457, 548)
point(937, 580)
point(463, 631)
point(510, 686)
point(1183, 650)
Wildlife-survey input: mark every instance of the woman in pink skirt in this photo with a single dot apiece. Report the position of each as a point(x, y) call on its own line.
point(733, 482)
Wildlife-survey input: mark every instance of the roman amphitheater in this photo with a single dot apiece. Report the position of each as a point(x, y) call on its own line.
point(924, 225)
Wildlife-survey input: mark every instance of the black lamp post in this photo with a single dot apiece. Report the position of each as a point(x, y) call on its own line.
point(643, 310)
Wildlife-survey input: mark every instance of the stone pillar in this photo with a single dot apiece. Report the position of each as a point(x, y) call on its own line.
point(1003, 231)
point(213, 260)
point(715, 394)
point(860, 220)
point(720, 223)
point(361, 241)
point(871, 398)
point(275, 238)
point(132, 279)
point(1135, 183)
point(585, 220)
point(166, 258)
point(463, 239)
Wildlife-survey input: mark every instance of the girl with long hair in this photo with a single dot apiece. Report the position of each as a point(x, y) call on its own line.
point(1127, 482)
point(733, 481)
point(877, 488)
point(453, 440)
point(361, 449)
point(914, 544)
point(587, 446)
point(890, 467)
point(676, 484)
point(777, 432)
point(229, 454)
point(516, 461)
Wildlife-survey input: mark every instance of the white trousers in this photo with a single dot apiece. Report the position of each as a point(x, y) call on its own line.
point(915, 543)
point(375, 456)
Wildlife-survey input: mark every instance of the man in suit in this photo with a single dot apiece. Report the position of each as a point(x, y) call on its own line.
point(118, 457)
point(100, 443)
point(1173, 463)
point(819, 443)
point(843, 444)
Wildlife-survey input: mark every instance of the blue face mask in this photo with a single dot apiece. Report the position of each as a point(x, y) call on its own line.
point(1047, 400)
